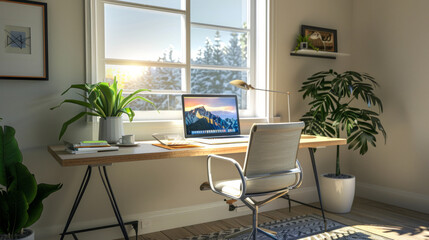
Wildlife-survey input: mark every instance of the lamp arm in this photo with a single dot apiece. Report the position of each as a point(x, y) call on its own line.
point(285, 93)
point(260, 89)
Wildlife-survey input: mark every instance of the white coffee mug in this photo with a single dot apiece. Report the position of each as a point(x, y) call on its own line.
point(127, 139)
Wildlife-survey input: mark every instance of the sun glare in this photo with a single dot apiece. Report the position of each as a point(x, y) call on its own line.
point(125, 74)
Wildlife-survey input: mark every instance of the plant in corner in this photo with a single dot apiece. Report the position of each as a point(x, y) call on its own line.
point(341, 102)
point(20, 195)
point(104, 100)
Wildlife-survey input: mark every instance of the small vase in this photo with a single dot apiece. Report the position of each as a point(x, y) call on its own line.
point(111, 129)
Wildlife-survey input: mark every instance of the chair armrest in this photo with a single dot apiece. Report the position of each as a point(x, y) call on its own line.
point(237, 166)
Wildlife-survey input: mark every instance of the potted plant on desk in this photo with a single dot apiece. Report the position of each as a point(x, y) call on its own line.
point(105, 101)
point(335, 107)
point(20, 195)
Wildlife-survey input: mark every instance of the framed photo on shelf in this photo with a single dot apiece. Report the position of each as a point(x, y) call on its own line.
point(24, 37)
point(322, 38)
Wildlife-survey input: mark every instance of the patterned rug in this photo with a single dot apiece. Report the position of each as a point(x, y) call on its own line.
point(309, 227)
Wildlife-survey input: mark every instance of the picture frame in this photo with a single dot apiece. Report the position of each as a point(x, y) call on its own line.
point(24, 37)
point(324, 39)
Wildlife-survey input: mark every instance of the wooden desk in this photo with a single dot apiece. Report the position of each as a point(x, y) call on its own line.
point(146, 151)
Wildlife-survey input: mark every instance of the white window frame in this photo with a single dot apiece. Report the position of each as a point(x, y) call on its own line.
point(257, 56)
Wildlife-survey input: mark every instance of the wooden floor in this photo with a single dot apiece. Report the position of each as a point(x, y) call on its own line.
point(376, 217)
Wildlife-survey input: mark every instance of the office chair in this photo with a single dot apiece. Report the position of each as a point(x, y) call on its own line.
point(270, 168)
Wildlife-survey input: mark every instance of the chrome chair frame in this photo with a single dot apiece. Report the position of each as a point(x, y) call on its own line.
point(247, 199)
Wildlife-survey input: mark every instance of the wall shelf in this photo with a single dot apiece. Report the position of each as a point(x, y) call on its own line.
point(317, 54)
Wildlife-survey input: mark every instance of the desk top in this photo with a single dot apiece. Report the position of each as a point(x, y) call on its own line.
point(146, 151)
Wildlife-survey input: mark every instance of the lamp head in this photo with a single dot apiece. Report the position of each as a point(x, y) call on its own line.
point(241, 84)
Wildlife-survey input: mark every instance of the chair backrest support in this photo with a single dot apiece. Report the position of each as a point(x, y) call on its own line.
point(273, 147)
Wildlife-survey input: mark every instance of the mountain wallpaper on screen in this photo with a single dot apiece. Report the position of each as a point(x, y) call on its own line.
point(201, 119)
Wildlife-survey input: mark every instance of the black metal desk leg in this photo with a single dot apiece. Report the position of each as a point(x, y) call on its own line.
point(78, 198)
point(316, 178)
point(112, 199)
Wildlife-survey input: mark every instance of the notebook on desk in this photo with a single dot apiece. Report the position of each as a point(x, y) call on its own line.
point(212, 119)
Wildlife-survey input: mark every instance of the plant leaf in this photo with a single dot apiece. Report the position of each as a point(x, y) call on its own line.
point(108, 96)
point(22, 181)
point(72, 120)
point(17, 206)
point(9, 152)
point(36, 207)
point(77, 102)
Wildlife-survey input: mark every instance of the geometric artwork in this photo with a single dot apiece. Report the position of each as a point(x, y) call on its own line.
point(23, 40)
point(18, 39)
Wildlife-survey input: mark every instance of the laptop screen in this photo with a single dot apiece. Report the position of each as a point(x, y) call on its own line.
point(210, 115)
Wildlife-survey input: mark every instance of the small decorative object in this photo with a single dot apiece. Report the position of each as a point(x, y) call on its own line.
point(20, 195)
point(302, 42)
point(335, 98)
point(127, 139)
point(171, 139)
point(105, 101)
point(322, 38)
point(24, 37)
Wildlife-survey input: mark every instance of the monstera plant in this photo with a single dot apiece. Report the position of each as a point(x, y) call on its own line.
point(342, 103)
point(20, 195)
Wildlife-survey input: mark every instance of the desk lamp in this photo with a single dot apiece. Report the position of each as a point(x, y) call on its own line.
point(243, 85)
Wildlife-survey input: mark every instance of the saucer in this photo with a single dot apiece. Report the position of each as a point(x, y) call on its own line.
point(127, 145)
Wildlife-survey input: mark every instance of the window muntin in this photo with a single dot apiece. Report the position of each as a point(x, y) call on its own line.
point(175, 4)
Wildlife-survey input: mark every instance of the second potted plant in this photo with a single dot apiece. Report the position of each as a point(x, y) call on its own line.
point(336, 107)
point(20, 195)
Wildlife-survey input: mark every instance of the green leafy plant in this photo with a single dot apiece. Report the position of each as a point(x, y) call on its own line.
point(336, 106)
point(102, 100)
point(20, 195)
point(300, 39)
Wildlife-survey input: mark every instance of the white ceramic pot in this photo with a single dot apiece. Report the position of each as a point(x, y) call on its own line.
point(111, 129)
point(337, 193)
point(29, 235)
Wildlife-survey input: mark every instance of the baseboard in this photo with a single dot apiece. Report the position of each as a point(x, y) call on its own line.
point(173, 218)
point(414, 201)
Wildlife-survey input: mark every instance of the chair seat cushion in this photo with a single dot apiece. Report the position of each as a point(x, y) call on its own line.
point(269, 184)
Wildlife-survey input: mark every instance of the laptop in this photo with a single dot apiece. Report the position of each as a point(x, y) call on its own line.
point(212, 119)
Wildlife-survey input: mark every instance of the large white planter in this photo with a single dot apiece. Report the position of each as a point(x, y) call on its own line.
point(26, 231)
point(111, 129)
point(337, 194)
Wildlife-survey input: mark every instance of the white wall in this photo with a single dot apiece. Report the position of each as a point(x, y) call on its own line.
point(291, 71)
point(163, 193)
point(389, 40)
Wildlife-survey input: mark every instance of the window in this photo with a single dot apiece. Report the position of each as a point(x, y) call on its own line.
point(178, 46)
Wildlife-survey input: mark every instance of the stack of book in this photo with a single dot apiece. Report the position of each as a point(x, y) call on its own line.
point(89, 147)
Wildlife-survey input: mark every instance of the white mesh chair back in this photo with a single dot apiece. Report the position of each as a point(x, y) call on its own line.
point(273, 148)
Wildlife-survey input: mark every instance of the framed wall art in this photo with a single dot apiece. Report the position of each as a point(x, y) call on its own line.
point(24, 40)
point(322, 38)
